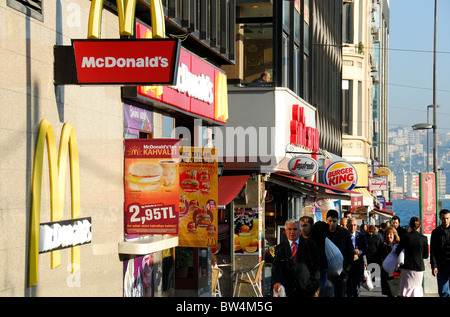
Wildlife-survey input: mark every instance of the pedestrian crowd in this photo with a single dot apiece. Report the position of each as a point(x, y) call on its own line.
point(330, 258)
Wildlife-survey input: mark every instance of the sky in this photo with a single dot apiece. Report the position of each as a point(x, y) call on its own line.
point(411, 63)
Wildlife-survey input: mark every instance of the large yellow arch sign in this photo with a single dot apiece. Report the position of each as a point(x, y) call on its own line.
point(126, 10)
point(57, 173)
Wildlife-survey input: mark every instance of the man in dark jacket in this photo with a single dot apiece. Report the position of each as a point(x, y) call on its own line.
point(359, 259)
point(296, 264)
point(309, 231)
point(341, 238)
point(440, 253)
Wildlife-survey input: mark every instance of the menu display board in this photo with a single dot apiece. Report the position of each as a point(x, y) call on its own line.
point(151, 186)
point(198, 183)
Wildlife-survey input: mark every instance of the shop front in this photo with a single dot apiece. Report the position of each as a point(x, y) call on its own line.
point(172, 224)
point(258, 148)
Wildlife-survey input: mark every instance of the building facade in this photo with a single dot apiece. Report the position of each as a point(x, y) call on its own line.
point(94, 121)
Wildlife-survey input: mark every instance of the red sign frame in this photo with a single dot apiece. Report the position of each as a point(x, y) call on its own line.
point(126, 62)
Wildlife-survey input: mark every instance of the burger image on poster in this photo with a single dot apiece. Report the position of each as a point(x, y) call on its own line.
point(144, 176)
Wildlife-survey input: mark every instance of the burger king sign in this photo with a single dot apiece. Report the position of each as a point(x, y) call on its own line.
point(341, 175)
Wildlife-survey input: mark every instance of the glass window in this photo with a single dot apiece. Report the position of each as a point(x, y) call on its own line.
point(286, 14)
point(360, 122)
point(285, 65)
point(347, 94)
point(296, 70)
point(347, 23)
point(255, 30)
point(258, 53)
point(167, 126)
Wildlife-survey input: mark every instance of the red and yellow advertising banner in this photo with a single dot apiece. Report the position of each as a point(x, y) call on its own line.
point(198, 182)
point(151, 186)
point(428, 201)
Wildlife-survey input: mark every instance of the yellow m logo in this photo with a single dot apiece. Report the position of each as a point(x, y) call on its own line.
point(57, 173)
point(126, 10)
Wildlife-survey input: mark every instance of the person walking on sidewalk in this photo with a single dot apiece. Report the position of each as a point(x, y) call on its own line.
point(296, 264)
point(440, 253)
point(356, 273)
point(416, 249)
point(390, 285)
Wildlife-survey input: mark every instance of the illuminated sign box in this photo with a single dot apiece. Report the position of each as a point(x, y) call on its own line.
point(117, 62)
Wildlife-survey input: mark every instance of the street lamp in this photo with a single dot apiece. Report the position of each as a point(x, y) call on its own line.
point(422, 126)
point(428, 147)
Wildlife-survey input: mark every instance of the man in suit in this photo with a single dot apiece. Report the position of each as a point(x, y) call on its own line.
point(296, 263)
point(359, 260)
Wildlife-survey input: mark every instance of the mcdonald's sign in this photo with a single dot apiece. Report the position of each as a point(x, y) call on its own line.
point(57, 171)
point(119, 62)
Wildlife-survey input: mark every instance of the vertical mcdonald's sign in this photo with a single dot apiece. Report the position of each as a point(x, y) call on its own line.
point(57, 172)
point(126, 10)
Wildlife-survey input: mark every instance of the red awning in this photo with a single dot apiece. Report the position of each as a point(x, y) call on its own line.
point(383, 212)
point(229, 187)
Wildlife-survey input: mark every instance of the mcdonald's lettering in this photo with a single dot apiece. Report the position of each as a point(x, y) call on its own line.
point(57, 172)
point(199, 88)
point(126, 10)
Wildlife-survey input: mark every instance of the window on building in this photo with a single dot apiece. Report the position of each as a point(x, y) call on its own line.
point(255, 31)
point(347, 22)
point(347, 93)
point(360, 122)
point(32, 8)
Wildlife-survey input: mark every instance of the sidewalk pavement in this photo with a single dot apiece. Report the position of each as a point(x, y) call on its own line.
point(376, 292)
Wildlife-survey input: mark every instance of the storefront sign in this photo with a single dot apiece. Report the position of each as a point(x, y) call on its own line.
point(199, 88)
point(300, 134)
point(57, 170)
point(378, 183)
point(135, 120)
point(126, 62)
point(341, 175)
point(64, 234)
point(151, 186)
point(383, 171)
point(198, 198)
point(428, 201)
point(357, 204)
point(303, 166)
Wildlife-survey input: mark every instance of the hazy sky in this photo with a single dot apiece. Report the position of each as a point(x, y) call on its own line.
point(411, 62)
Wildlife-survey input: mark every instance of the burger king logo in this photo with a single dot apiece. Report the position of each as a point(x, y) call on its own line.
point(341, 175)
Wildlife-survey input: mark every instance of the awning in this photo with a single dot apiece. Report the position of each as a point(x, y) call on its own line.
point(383, 212)
point(310, 188)
point(367, 196)
point(229, 187)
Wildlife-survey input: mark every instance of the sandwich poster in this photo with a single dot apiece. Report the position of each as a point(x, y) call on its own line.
point(151, 186)
point(198, 197)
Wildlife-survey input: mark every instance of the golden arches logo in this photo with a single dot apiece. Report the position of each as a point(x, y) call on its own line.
point(126, 10)
point(57, 173)
point(211, 242)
